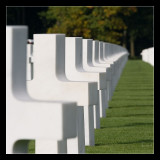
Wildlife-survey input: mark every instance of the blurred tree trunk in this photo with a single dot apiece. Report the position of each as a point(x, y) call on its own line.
point(132, 50)
point(124, 39)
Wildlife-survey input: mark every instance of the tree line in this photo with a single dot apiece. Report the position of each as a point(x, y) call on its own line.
point(131, 27)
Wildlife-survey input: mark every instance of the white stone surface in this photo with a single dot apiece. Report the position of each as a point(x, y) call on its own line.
point(148, 55)
point(89, 67)
point(72, 143)
point(26, 118)
point(50, 82)
point(74, 71)
point(49, 146)
point(118, 56)
point(95, 61)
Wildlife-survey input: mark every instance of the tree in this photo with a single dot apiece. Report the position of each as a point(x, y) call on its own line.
point(140, 26)
point(131, 27)
point(102, 23)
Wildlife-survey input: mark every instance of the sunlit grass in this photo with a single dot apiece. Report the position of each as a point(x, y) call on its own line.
point(128, 127)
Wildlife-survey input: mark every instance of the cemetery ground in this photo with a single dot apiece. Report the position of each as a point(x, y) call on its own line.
point(129, 125)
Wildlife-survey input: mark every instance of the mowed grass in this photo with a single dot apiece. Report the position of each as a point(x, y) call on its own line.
point(129, 125)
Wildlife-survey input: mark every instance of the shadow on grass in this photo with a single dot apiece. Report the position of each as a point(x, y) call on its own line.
point(128, 125)
point(133, 89)
point(132, 142)
point(132, 96)
point(131, 115)
point(131, 106)
point(132, 99)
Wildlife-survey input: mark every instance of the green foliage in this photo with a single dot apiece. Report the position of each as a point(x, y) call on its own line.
point(112, 24)
point(102, 23)
point(119, 25)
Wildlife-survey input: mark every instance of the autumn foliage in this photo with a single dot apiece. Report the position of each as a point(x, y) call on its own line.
point(102, 23)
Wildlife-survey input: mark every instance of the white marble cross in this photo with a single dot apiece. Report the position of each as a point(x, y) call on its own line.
point(148, 55)
point(50, 82)
point(116, 56)
point(27, 118)
point(74, 71)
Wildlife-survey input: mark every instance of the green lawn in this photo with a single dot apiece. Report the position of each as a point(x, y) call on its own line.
point(128, 126)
